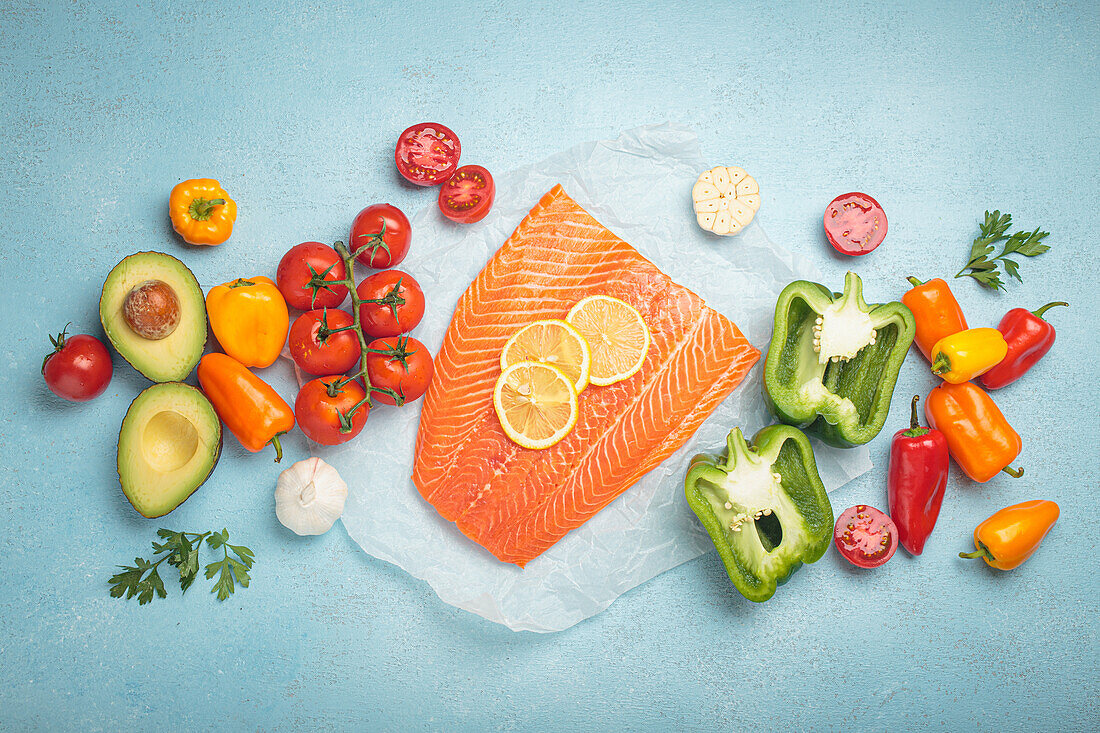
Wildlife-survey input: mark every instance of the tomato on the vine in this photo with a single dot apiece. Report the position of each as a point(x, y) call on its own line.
point(324, 410)
point(401, 364)
point(318, 351)
point(79, 367)
point(392, 303)
point(427, 153)
point(385, 232)
point(865, 536)
point(467, 195)
point(302, 272)
point(855, 224)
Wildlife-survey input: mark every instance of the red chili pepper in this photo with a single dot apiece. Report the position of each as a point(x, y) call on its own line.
point(916, 481)
point(1029, 338)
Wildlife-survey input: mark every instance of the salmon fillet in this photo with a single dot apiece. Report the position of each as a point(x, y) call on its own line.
point(517, 502)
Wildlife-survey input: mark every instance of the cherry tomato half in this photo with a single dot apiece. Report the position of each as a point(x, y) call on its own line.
point(319, 414)
point(865, 536)
point(406, 369)
point(79, 368)
point(467, 195)
point(855, 223)
point(336, 353)
point(427, 153)
point(393, 303)
point(297, 269)
point(388, 249)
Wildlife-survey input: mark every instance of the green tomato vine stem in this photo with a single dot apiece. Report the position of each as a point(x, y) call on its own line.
point(349, 266)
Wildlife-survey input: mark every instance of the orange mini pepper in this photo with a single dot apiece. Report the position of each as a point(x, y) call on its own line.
point(936, 312)
point(978, 436)
point(201, 211)
point(249, 407)
point(249, 319)
point(967, 354)
point(1013, 534)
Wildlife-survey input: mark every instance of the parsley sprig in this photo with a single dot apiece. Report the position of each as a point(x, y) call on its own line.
point(995, 229)
point(181, 551)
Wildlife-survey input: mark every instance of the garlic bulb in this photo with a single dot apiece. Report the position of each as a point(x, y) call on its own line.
point(726, 199)
point(309, 497)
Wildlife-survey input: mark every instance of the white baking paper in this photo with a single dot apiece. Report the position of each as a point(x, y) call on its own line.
point(639, 186)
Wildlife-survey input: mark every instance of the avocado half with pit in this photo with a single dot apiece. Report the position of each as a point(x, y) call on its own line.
point(168, 446)
point(154, 313)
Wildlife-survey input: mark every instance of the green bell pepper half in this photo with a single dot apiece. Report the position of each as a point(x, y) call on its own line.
point(764, 507)
point(833, 360)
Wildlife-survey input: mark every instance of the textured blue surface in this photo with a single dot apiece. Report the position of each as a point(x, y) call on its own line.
point(940, 110)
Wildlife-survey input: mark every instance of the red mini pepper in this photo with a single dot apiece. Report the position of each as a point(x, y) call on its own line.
point(916, 481)
point(1029, 338)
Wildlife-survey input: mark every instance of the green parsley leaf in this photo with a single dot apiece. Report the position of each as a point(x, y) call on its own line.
point(994, 229)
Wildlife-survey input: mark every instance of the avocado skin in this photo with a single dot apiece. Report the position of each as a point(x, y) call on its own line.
point(109, 328)
point(213, 463)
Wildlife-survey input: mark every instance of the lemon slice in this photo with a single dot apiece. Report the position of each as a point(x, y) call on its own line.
point(536, 404)
point(551, 342)
point(616, 335)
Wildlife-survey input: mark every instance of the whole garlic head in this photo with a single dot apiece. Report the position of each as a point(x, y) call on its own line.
point(309, 497)
point(725, 199)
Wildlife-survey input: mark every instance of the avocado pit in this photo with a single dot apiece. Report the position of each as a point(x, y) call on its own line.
point(152, 310)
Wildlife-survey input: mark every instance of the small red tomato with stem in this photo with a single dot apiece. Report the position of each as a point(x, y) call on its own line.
point(381, 234)
point(427, 153)
point(303, 273)
point(323, 342)
point(400, 364)
point(855, 224)
point(331, 410)
point(391, 303)
point(79, 367)
point(467, 195)
point(865, 536)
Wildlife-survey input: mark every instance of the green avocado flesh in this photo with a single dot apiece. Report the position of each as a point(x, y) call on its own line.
point(165, 360)
point(168, 445)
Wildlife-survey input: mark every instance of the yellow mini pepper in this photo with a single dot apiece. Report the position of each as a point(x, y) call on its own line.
point(1013, 534)
point(249, 319)
point(201, 211)
point(962, 356)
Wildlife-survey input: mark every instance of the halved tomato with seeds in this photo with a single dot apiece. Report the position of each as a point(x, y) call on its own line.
point(427, 154)
point(855, 224)
point(467, 195)
point(865, 536)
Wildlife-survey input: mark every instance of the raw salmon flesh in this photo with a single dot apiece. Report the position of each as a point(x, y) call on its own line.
point(517, 502)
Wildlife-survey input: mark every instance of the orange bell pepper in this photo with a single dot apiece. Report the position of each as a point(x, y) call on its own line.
point(201, 211)
point(967, 354)
point(936, 312)
point(978, 436)
point(249, 407)
point(250, 319)
point(1013, 534)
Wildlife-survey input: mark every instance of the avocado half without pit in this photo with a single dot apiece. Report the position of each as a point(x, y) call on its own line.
point(168, 445)
point(154, 313)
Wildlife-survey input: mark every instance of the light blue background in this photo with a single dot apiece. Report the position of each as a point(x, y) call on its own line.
point(939, 110)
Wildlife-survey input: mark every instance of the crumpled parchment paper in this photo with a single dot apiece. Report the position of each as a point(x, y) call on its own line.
point(639, 186)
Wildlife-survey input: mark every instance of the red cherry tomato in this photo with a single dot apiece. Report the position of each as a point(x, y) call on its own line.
point(855, 223)
point(427, 154)
point(297, 269)
point(406, 369)
point(865, 536)
point(393, 303)
point(322, 416)
point(388, 249)
point(323, 354)
point(79, 368)
point(467, 195)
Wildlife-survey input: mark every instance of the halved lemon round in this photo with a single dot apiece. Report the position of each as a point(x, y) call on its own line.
point(536, 404)
point(551, 342)
point(616, 334)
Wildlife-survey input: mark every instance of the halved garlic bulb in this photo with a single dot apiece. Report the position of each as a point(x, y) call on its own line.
point(309, 497)
point(726, 199)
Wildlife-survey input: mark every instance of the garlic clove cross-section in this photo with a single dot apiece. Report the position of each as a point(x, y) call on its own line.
point(726, 199)
point(309, 497)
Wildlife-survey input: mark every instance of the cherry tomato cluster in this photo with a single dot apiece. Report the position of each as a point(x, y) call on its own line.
point(364, 351)
point(427, 155)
